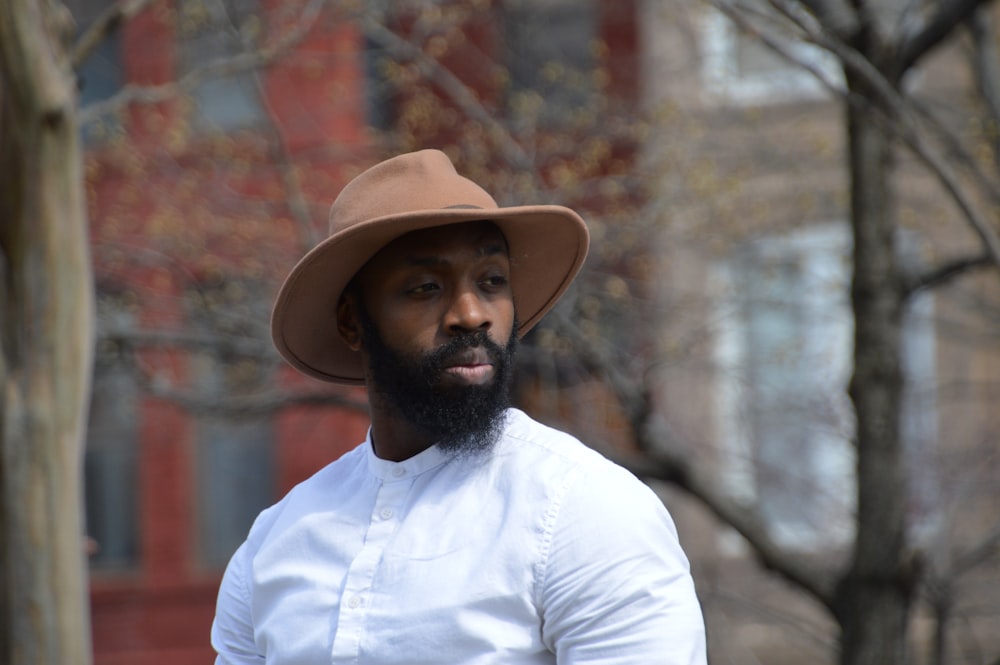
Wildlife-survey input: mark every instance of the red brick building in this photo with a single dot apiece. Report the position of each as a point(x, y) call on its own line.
point(203, 192)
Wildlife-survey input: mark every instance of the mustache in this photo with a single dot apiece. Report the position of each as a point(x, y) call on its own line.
point(439, 357)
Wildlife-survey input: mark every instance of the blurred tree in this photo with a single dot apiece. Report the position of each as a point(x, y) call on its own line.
point(874, 46)
point(46, 331)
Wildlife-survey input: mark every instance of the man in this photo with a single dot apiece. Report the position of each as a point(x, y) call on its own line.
point(460, 531)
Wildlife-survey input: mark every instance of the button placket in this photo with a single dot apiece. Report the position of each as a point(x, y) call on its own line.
point(350, 625)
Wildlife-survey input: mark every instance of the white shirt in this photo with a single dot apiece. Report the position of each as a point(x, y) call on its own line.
point(541, 551)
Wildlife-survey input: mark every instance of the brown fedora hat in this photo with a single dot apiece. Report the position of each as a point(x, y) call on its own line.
point(547, 244)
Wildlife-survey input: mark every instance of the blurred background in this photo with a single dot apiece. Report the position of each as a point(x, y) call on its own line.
point(734, 160)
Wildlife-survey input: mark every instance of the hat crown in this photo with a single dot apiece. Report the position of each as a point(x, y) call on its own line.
point(414, 182)
point(546, 244)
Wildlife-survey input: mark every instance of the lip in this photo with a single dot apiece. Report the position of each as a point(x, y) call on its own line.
point(472, 366)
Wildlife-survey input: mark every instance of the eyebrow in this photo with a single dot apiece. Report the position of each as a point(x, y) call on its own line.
point(483, 252)
point(492, 250)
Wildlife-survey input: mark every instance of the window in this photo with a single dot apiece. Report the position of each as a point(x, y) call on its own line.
point(550, 48)
point(380, 90)
point(740, 69)
point(100, 75)
point(233, 450)
point(235, 482)
point(209, 30)
point(111, 453)
point(784, 417)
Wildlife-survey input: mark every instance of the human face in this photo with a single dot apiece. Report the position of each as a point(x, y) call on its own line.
point(433, 285)
point(468, 418)
point(453, 388)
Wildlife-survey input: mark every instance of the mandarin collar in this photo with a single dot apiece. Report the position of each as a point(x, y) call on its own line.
point(389, 471)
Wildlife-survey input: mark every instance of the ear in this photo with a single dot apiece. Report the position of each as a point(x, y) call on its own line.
point(348, 324)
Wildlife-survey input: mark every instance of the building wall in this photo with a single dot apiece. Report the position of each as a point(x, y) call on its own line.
point(735, 168)
point(199, 204)
point(180, 210)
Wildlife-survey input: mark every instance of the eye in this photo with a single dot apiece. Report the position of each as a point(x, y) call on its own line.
point(495, 282)
point(423, 289)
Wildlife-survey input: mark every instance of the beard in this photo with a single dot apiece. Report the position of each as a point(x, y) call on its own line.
point(463, 418)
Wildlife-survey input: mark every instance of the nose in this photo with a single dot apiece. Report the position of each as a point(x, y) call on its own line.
point(468, 312)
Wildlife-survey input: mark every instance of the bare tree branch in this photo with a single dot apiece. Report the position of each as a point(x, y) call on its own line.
point(264, 404)
point(141, 339)
point(986, 65)
point(659, 460)
point(630, 393)
point(454, 88)
point(673, 467)
point(298, 207)
point(950, 14)
point(904, 125)
point(939, 588)
point(977, 554)
point(837, 15)
point(217, 68)
point(806, 630)
point(957, 154)
point(297, 204)
point(946, 272)
point(111, 19)
point(906, 128)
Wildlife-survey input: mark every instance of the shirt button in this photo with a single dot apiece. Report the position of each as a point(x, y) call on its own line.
point(354, 603)
point(399, 472)
point(386, 513)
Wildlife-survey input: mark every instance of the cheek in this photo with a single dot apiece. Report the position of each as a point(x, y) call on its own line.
point(505, 323)
point(407, 330)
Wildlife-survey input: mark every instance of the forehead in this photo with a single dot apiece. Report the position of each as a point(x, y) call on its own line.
point(440, 243)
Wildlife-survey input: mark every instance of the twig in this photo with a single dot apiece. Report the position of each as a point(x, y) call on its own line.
point(453, 87)
point(109, 20)
point(904, 125)
point(216, 68)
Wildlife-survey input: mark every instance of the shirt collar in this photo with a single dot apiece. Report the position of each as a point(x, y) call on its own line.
point(389, 471)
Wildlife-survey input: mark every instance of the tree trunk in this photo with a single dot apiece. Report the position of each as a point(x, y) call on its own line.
point(46, 329)
point(874, 598)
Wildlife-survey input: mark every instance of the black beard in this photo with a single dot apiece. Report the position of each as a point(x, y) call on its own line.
point(468, 419)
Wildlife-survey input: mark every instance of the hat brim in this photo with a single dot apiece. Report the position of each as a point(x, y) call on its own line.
point(547, 245)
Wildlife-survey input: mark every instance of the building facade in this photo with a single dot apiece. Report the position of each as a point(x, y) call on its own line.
point(218, 132)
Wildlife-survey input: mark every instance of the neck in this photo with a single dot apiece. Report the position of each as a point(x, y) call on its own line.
point(393, 438)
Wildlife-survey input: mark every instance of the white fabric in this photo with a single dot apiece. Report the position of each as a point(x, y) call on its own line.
point(542, 551)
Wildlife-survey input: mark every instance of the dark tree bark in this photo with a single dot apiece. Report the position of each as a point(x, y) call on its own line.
point(874, 597)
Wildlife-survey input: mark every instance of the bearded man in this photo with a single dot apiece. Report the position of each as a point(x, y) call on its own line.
point(460, 530)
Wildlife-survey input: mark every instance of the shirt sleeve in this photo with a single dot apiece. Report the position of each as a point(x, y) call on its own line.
point(616, 586)
point(232, 629)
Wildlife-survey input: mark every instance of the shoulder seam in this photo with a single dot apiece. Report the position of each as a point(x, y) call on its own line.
point(548, 533)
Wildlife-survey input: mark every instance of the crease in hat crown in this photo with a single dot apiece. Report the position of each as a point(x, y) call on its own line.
point(548, 244)
point(410, 183)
